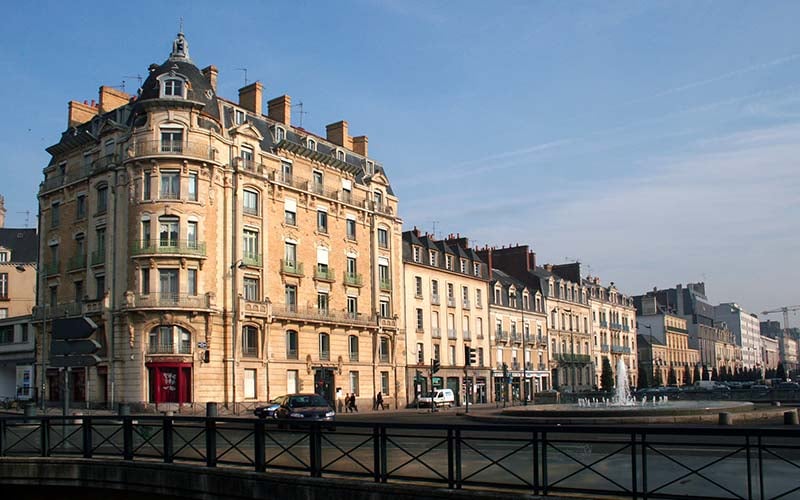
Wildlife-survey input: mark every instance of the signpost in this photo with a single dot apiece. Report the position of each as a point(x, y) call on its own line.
point(71, 347)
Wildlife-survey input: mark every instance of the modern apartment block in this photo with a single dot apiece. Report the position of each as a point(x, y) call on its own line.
point(225, 254)
point(613, 328)
point(746, 331)
point(446, 312)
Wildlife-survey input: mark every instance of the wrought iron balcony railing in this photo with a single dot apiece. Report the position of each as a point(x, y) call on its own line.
point(164, 300)
point(324, 274)
point(291, 267)
point(194, 149)
point(251, 259)
point(170, 247)
point(353, 279)
point(76, 262)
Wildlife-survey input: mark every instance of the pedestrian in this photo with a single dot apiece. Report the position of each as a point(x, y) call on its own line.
point(378, 401)
point(352, 406)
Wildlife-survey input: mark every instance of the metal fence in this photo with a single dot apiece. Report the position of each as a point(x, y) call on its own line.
point(631, 462)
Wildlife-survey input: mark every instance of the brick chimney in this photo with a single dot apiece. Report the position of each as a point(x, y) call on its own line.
point(80, 113)
point(280, 109)
point(361, 145)
point(211, 73)
point(111, 99)
point(250, 97)
point(337, 134)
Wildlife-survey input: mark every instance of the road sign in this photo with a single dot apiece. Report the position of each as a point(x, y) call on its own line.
point(202, 345)
point(74, 361)
point(73, 328)
point(76, 347)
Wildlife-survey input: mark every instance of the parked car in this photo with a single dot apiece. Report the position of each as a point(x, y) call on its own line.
point(268, 410)
point(788, 386)
point(305, 408)
point(438, 397)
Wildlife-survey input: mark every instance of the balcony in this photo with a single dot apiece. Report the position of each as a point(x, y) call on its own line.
point(516, 337)
point(288, 180)
point(251, 259)
point(451, 334)
point(354, 356)
point(52, 182)
point(465, 304)
point(324, 274)
point(626, 328)
point(173, 247)
point(159, 348)
point(291, 353)
point(193, 149)
point(104, 163)
point(51, 268)
point(542, 367)
point(386, 284)
point(604, 348)
point(325, 355)
point(466, 335)
point(514, 365)
point(578, 359)
point(501, 336)
point(291, 311)
point(436, 333)
point(353, 279)
point(98, 257)
point(435, 299)
point(603, 323)
point(618, 349)
point(76, 263)
point(57, 311)
point(616, 326)
point(168, 300)
point(451, 302)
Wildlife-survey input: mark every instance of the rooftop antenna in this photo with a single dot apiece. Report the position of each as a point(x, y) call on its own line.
point(245, 75)
point(301, 112)
point(27, 217)
point(181, 25)
point(138, 79)
point(434, 227)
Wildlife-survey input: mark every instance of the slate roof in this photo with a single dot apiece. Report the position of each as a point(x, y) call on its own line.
point(23, 243)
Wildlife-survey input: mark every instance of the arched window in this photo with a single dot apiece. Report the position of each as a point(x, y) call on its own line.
point(169, 339)
point(324, 347)
point(249, 341)
point(291, 344)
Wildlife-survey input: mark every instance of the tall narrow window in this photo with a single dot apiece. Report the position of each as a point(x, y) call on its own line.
point(191, 235)
point(383, 238)
point(193, 186)
point(353, 344)
point(250, 202)
point(250, 247)
point(4, 286)
point(290, 212)
point(102, 199)
point(352, 306)
point(145, 280)
point(250, 341)
point(324, 347)
point(168, 231)
point(168, 285)
point(247, 157)
point(80, 206)
point(55, 214)
point(147, 183)
point(191, 285)
point(291, 344)
point(322, 221)
point(170, 184)
point(351, 228)
point(171, 140)
point(251, 289)
point(290, 293)
point(322, 302)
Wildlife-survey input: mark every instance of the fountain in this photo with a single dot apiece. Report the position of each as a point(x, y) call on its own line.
point(623, 391)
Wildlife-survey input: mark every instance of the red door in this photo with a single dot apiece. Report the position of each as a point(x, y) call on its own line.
point(170, 382)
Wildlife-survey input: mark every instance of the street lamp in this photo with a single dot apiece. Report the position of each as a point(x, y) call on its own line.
point(650, 356)
point(239, 264)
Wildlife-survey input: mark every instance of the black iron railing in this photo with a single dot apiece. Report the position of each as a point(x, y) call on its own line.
point(617, 461)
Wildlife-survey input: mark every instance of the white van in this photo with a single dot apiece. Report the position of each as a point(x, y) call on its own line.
point(438, 397)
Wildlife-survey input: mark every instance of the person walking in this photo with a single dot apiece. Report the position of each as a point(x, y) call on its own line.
point(352, 406)
point(378, 401)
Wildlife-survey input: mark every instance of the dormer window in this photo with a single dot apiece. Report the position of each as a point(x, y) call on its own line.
point(239, 116)
point(311, 144)
point(370, 167)
point(340, 155)
point(280, 134)
point(172, 87)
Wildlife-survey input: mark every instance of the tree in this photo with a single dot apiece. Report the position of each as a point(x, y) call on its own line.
point(781, 372)
point(697, 376)
point(607, 376)
point(645, 376)
point(714, 374)
point(687, 375)
point(658, 381)
point(672, 377)
point(705, 373)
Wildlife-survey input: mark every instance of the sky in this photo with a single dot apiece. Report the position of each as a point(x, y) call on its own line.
point(655, 142)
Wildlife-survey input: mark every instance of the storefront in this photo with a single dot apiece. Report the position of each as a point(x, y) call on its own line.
point(170, 382)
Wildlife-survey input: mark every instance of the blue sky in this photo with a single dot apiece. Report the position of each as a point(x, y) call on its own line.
point(656, 142)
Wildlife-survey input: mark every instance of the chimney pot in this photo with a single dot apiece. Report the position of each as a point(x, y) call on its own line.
point(250, 97)
point(280, 109)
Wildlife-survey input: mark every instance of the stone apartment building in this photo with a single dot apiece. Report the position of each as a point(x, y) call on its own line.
point(745, 329)
point(225, 254)
point(18, 249)
point(613, 329)
point(446, 312)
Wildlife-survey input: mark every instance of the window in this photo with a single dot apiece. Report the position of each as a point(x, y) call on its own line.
point(479, 327)
point(173, 87)
point(352, 306)
point(476, 269)
point(3, 312)
point(420, 353)
point(250, 202)
point(478, 298)
point(79, 292)
point(420, 326)
point(4, 256)
point(417, 254)
point(432, 258)
point(385, 310)
point(4, 286)
point(290, 254)
point(55, 214)
point(280, 134)
point(311, 144)
point(145, 231)
point(451, 298)
point(465, 296)
point(383, 350)
point(247, 157)
point(191, 235)
point(385, 383)
point(251, 289)
point(322, 302)
point(250, 245)
point(292, 381)
point(193, 186)
point(162, 340)
point(378, 198)
point(100, 233)
point(351, 228)
point(53, 295)
point(239, 116)
point(418, 286)
point(191, 285)
point(451, 355)
point(448, 262)
point(249, 341)
point(322, 221)
point(286, 171)
point(354, 383)
point(102, 198)
point(80, 206)
point(170, 184)
point(290, 294)
point(480, 356)
point(352, 342)
point(324, 347)
point(168, 285)
point(171, 140)
point(383, 238)
point(144, 278)
point(436, 352)
point(168, 231)
point(291, 344)
point(383, 276)
point(317, 182)
point(290, 212)
point(147, 183)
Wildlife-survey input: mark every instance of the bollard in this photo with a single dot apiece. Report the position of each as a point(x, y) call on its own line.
point(725, 418)
point(211, 409)
point(790, 417)
point(124, 410)
point(30, 411)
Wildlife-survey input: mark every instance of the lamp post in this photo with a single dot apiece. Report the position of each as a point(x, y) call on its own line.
point(239, 264)
point(650, 357)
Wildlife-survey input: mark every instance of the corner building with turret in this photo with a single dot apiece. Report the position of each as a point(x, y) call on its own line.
point(224, 254)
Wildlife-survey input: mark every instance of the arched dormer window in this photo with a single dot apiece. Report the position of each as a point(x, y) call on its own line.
point(173, 86)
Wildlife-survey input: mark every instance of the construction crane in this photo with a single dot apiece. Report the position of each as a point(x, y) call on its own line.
point(785, 310)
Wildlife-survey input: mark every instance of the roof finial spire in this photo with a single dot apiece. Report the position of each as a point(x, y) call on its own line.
point(181, 25)
point(180, 47)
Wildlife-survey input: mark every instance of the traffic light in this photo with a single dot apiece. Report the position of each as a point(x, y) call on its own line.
point(207, 356)
point(418, 376)
point(505, 371)
point(473, 357)
point(467, 356)
point(435, 366)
